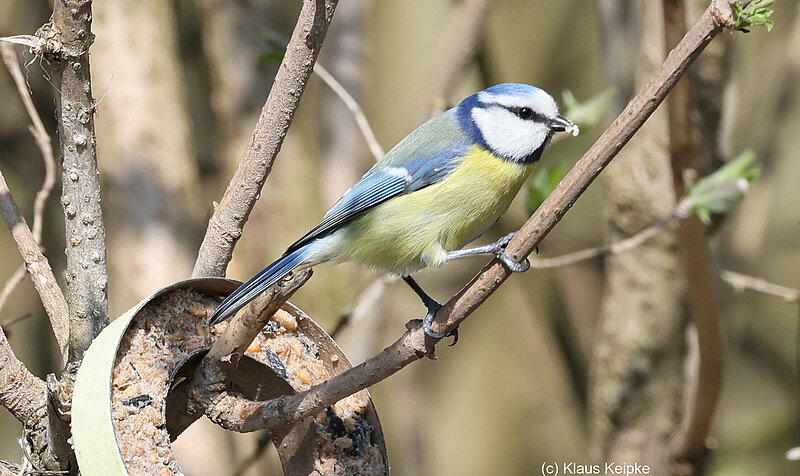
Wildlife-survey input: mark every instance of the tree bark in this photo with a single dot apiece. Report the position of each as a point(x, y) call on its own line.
point(21, 392)
point(86, 274)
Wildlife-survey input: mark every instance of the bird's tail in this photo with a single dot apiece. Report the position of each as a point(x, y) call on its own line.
point(258, 283)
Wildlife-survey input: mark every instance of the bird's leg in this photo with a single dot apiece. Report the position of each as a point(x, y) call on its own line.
point(498, 250)
point(432, 306)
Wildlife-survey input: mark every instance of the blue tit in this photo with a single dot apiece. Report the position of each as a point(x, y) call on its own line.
point(437, 190)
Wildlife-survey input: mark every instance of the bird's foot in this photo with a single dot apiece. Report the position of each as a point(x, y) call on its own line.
point(499, 251)
point(433, 307)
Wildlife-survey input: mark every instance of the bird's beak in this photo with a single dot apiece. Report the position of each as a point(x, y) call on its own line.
point(560, 124)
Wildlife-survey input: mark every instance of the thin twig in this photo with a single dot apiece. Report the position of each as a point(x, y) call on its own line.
point(25, 40)
point(741, 282)
point(347, 99)
point(414, 345)
point(40, 135)
point(352, 105)
point(364, 305)
point(703, 395)
point(357, 332)
point(44, 144)
point(602, 251)
point(225, 225)
point(38, 267)
point(11, 284)
point(86, 272)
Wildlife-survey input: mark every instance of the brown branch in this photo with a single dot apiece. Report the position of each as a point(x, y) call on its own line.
point(21, 392)
point(704, 393)
point(243, 415)
point(42, 139)
point(59, 408)
point(225, 225)
point(224, 355)
point(86, 273)
point(37, 265)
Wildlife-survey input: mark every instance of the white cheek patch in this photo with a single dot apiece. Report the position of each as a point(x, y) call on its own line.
point(506, 134)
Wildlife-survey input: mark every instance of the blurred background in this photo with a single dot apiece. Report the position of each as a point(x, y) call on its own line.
point(579, 363)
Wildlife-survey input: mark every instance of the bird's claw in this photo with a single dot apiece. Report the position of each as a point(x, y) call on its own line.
point(512, 265)
point(508, 261)
point(433, 307)
point(454, 335)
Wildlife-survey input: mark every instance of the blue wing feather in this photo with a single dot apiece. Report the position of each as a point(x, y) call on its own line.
point(424, 157)
point(368, 192)
point(381, 184)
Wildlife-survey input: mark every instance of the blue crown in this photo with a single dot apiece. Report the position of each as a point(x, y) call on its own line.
point(512, 89)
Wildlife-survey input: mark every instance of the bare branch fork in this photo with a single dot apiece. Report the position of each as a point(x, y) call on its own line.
point(243, 415)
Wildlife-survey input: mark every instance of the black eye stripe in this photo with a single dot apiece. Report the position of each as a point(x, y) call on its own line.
point(528, 114)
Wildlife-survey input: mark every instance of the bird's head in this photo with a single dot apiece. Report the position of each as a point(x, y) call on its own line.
point(514, 121)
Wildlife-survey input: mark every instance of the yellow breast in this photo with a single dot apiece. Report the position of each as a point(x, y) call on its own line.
point(412, 231)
